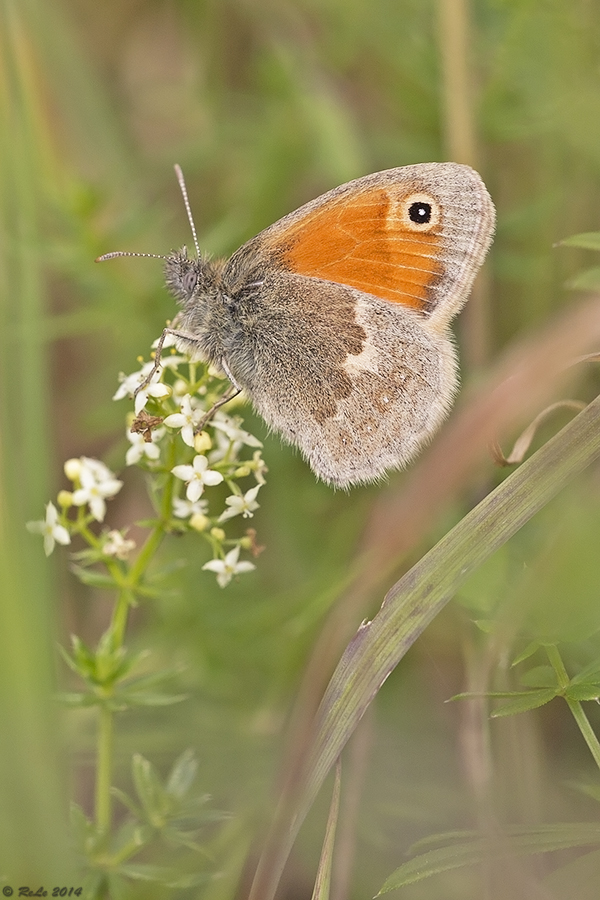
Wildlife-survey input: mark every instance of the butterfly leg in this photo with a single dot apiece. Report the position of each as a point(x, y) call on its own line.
point(232, 392)
point(158, 355)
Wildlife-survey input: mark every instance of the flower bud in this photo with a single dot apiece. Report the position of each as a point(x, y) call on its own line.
point(202, 442)
point(199, 522)
point(73, 469)
point(65, 499)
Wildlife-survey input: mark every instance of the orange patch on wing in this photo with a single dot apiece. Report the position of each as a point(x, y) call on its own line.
point(356, 241)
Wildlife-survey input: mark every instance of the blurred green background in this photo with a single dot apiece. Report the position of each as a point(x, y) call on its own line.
point(265, 105)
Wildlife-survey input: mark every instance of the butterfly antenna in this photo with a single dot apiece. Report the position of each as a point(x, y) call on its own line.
point(126, 253)
point(188, 208)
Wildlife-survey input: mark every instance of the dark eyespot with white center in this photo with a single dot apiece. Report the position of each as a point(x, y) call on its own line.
point(420, 212)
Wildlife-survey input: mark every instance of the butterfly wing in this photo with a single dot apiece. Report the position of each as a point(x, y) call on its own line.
point(346, 350)
point(415, 236)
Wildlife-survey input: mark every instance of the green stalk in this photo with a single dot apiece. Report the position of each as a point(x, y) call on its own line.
point(574, 705)
point(118, 625)
point(585, 728)
point(104, 757)
point(126, 596)
point(562, 676)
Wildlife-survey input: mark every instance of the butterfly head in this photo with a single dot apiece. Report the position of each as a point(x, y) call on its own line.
point(185, 276)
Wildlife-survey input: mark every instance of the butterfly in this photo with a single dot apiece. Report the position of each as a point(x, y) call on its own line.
point(335, 320)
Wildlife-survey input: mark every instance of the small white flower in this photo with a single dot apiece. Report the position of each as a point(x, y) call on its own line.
point(172, 362)
point(197, 476)
point(231, 427)
point(241, 505)
point(155, 389)
point(185, 419)
point(140, 448)
point(259, 467)
point(226, 568)
point(50, 529)
point(97, 483)
point(128, 384)
point(184, 509)
point(180, 388)
point(96, 468)
point(116, 545)
point(169, 341)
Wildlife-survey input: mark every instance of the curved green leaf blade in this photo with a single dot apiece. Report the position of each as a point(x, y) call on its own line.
point(414, 601)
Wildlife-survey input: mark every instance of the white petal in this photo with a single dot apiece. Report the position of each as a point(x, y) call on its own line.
point(133, 455)
point(187, 434)
point(186, 473)
point(61, 535)
point(175, 420)
point(200, 464)
point(97, 508)
point(214, 565)
point(232, 557)
point(48, 543)
point(211, 477)
point(158, 391)
point(194, 490)
point(140, 401)
point(110, 487)
point(36, 527)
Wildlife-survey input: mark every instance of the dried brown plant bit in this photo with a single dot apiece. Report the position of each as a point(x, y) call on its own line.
point(523, 442)
point(144, 423)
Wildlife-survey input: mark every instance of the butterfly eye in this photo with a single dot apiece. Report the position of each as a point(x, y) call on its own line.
point(421, 212)
point(189, 282)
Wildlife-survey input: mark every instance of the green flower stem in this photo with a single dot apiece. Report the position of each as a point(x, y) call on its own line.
point(574, 705)
point(104, 757)
point(126, 597)
point(562, 676)
point(125, 852)
point(585, 728)
point(118, 625)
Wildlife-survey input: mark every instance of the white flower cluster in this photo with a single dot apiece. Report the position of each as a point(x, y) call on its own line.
point(178, 433)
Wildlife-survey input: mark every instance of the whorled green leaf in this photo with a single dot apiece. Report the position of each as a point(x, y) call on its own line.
point(586, 788)
point(76, 699)
point(148, 788)
point(589, 280)
point(126, 699)
point(182, 775)
point(583, 691)
point(591, 672)
point(529, 650)
point(523, 702)
point(93, 578)
point(163, 875)
point(539, 677)
point(126, 800)
point(590, 240)
point(519, 840)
